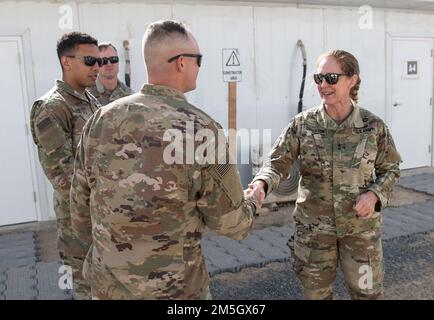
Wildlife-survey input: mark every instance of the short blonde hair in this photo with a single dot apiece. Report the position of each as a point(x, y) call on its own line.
point(104, 45)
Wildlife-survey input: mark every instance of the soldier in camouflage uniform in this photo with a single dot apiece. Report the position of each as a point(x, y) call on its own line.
point(348, 168)
point(107, 87)
point(141, 216)
point(56, 121)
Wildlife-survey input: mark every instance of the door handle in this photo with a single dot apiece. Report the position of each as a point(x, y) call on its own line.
point(397, 104)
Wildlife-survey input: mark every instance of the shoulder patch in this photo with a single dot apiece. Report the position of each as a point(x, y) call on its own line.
point(223, 169)
point(49, 135)
point(46, 122)
point(227, 178)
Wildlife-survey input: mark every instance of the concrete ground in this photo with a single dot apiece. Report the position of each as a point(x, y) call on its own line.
point(257, 267)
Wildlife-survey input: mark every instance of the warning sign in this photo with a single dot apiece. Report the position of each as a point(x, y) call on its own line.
point(232, 71)
point(233, 60)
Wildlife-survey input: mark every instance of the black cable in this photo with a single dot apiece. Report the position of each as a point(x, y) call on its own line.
point(290, 185)
point(303, 54)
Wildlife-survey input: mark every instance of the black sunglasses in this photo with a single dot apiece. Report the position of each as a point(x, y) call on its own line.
point(330, 78)
point(113, 60)
point(89, 60)
point(191, 55)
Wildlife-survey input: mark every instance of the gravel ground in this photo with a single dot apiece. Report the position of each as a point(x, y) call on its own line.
point(409, 274)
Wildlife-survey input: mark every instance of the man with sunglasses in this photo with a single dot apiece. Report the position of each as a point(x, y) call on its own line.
point(108, 87)
point(56, 121)
point(143, 215)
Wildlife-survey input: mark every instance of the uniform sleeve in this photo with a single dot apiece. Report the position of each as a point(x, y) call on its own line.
point(81, 223)
point(386, 168)
point(54, 147)
point(282, 156)
point(222, 203)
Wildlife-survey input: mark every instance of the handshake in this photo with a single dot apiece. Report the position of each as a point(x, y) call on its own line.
point(256, 190)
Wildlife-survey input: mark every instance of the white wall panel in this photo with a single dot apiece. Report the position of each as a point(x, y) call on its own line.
point(279, 62)
point(368, 46)
point(409, 24)
point(117, 22)
point(42, 19)
point(218, 27)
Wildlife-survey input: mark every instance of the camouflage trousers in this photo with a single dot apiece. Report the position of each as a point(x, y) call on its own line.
point(315, 257)
point(97, 295)
point(81, 290)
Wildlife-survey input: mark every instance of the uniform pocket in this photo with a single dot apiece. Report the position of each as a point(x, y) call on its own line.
point(87, 265)
point(310, 160)
point(300, 254)
point(301, 251)
point(367, 160)
point(359, 152)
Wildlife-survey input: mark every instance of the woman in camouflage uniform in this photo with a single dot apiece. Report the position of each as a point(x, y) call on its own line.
point(348, 168)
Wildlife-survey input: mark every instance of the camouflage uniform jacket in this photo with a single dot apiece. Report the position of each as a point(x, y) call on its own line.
point(141, 217)
point(337, 163)
point(56, 122)
point(105, 96)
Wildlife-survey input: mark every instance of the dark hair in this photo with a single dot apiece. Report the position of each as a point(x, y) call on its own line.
point(163, 29)
point(104, 45)
point(349, 65)
point(67, 43)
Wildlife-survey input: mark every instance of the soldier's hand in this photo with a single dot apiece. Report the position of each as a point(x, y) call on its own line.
point(365, 204)
point(256, 189)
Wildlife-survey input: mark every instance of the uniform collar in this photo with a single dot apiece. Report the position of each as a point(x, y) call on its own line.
point(354, 119)
point(60, 84)
point(122, 86)
point(158, 90)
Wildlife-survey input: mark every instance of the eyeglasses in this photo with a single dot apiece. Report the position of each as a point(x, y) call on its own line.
point(89, 60)
point(113, 60)
point(330, 78)
point(191, 55)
